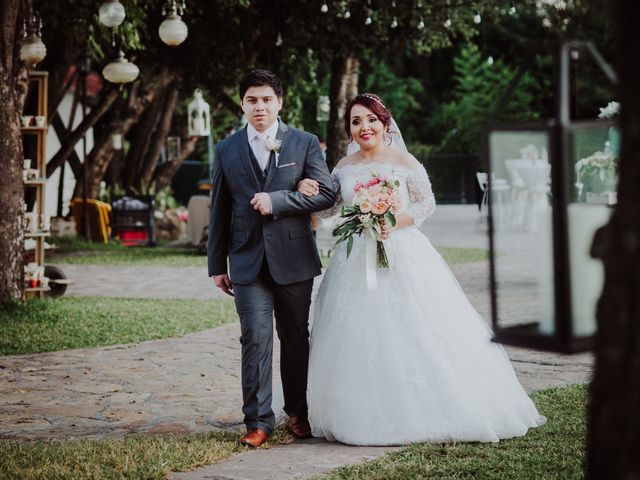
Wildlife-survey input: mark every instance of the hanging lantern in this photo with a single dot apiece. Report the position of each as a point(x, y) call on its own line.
point(33, 50)
point(111, 13)
point(544, 210)
point(120, 70)
point(199, 116)
point(173, 31)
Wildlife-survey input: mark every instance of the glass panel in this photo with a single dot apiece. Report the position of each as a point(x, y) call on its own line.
point(521, 203)
point(593, 171)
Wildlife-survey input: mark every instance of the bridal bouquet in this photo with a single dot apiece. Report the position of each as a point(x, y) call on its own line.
point(374, 202)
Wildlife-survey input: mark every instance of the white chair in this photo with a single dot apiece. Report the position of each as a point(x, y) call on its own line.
point(499, 188)
point(537, 179)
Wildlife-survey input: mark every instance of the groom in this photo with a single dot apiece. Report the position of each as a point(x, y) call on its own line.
point(261, 223)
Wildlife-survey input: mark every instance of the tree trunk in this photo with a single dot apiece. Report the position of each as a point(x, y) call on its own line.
point(343, 87)
point(167, 170)
point(160, 134)
point(142, 133)
point(13, 87)
point(614, 424)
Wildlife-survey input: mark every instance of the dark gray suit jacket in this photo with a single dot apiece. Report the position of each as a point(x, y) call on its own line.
point(241, 233)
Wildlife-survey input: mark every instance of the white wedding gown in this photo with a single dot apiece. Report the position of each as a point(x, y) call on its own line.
point(409, 360)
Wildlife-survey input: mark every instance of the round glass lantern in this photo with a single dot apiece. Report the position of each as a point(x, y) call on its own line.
point(111, 13)
point(121, 70)
point(173, 31)
point(33, 50)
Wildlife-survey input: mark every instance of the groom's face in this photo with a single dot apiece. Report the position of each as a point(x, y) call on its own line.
point(261, 106)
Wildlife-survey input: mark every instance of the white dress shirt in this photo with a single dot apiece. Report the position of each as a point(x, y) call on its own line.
point(258, 144)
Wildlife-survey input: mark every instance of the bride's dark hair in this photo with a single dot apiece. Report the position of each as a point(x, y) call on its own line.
point(373, 103)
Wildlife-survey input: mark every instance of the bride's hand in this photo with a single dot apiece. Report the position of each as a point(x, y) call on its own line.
point(308, 187)
point(385, 230)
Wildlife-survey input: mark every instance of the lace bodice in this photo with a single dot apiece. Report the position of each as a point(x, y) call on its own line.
point(416, 196)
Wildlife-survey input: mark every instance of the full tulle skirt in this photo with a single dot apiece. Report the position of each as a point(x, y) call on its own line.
point(407, 358)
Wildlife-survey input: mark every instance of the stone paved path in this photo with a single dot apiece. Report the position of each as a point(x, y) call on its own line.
point(192, 383)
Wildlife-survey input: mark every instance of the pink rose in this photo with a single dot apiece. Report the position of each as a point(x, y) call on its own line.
point(379, 208)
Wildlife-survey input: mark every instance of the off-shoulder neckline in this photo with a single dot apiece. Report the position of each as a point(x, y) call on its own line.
point(382, 164)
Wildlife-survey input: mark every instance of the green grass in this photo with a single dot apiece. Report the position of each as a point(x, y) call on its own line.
point(553, 451)
point(74, 250)
point(132, 457)
point(454, 255)
point(69, 322)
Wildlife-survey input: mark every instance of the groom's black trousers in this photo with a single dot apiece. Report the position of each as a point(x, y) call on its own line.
point(256, 304)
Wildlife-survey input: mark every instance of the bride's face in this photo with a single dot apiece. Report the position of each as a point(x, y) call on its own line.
point(366, 129)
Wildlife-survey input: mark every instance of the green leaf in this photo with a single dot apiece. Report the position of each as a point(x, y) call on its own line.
point(349, 246)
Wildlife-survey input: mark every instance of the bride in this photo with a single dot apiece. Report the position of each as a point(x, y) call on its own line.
point(400, 355)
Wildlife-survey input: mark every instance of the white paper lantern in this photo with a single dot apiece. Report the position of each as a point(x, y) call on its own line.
point(111, 13)
point(173, 31)
point(199, 116)
point(120, 70)
point(33, 50)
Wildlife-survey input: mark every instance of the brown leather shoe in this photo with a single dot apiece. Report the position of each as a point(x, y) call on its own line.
point(254, 438)
point(299, 427)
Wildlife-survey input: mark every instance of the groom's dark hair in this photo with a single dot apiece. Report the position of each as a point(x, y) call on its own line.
point(260, 78)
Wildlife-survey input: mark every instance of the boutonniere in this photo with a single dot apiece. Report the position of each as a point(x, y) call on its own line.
point(273, 144)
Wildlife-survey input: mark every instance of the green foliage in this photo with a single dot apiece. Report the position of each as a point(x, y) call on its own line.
point(553, 451)
point(68, 322)
point(479, 86)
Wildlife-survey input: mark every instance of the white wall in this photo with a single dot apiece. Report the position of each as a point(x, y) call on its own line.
point(53, 145)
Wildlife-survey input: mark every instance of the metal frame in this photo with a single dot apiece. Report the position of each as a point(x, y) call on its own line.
point(559, 130)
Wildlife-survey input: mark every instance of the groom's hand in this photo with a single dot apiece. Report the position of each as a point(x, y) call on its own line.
point(223, 283)
point(262, 202)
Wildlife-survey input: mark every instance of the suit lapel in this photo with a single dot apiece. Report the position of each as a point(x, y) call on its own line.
point(243, 150)
point(283, 131)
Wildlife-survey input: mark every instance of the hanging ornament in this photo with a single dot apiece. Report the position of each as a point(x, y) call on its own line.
point(394, 23)
point(279, 40)
point(33, 49)
point(324, 8)
point(173, 31)
point(368, 21)
point(477, 18)
point(513, 10)
point(490, 60)
point(447, 23)
point(347, 14)
point(111, 13)
point(421, 24)
point(120, 70)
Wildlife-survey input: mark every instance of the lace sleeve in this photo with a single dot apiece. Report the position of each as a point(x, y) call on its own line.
point(330, 212)
point(423, 203)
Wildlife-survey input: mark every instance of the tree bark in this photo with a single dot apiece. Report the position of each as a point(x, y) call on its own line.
point(614, 424)
point(13, 87)
point(160, 134)
point(165, 172)
point(142, 133)
point(343, 87)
